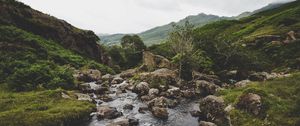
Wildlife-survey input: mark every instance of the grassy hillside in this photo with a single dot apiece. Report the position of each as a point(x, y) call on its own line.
point(256, 34)
point(281, 100)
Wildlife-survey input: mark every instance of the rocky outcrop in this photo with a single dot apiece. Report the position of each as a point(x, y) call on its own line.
point(251, 103)
point(81, 41)
point(153, 62)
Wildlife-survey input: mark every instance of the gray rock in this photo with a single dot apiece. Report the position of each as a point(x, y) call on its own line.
point(160, 112)
point(250, 102)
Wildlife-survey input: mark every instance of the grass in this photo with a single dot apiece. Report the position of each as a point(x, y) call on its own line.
point(281, 101)
point(41, 108)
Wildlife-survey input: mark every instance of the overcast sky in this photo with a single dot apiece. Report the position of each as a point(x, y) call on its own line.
point(134, 16)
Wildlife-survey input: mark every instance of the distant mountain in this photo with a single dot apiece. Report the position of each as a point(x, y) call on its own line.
point(158, 34)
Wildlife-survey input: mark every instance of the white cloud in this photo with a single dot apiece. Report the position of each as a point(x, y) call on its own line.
point(133, 16)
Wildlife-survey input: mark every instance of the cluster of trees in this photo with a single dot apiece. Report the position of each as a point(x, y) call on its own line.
point(129, 54)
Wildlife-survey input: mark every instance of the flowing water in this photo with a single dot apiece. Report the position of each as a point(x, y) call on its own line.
point(178, 116)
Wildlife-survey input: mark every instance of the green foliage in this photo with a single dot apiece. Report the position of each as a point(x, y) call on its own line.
point(43, 108)
point(133, 42)
point(280, 99)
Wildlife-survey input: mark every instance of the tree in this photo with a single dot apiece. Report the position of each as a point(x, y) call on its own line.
point(133, 42)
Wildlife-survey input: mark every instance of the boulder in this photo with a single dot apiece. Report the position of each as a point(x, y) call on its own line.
point(161, 102)
point(174, 92)
point(172, 103)
point(128, 106)
point(123, 86)
point(161, 77)
point(142, 88)
point(128, 73)
point(85, 88)
point(160, 112)
point(204, 123)
point(107, 77)
point(195, 113)
point(259, 76)
point(83, 97)
point(251, 103)
point(152, 61)
point(153, 92)
point(105, 98)
point(210, 78)
point(88, 75)
point(117, 80)
point(125, 122)
point(242, 83)
point(189, 93)
point(213, 107)
point(146, 98)
point(106, 112)
point(206, 88)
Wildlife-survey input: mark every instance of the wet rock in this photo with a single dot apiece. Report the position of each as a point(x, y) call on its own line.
point(125, 122)
point(88, 75)
point(174, 92)
point(160, 112)
point(251, 103)
point(172, 103)
point(107, 77)
point(106, 112)
point(203, 123)
point(213, 107)
point(242, 83)
point(142, 88)
point(195, 113)
point(153, 92)
point(83, 97)
point(206, 88)
point(117, 80)
point(161, 102)
point(143, 109)
point(128, 106)
point(101, 89)
point(123, 86)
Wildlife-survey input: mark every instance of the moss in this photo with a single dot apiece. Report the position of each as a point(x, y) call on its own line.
point(41, 108)
point(280, 99)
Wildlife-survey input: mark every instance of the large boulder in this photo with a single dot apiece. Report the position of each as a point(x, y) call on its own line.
point(174, 92)
point(161, 102)
point(152, 61)
point(88, 75)
point(242, 83)
point(159, 78)
point(153, 92)
point(213, 107)
point(251, 103)
point(160, 112)
point(117, 80)
point(206, 88)
point(210, 78)
point(142, 88)
point(106, 112)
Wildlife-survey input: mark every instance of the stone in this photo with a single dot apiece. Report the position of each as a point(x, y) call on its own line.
point(153, 92)
point(161, 102)
point(174, 92)
point(128, 73)
point(251, 103)
point(143, 109)
point(195, 113)
point(151, 61)
point(206, 88)
point(105, 98)
point(172, 103)
point(190, 93)
point(106, 112)
point(242, 83)
point(142, 88)
point(117, 80)
point(85, 88)
point(213, 107)
point(88, 75)
point(123, 86)
point(146, 98)
point(128, 106)
point(107, 77)
point(65, 96)
point(259, 76)
point(160, 112)
point(204, 123)
point(83, 97)
point(210, 78)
